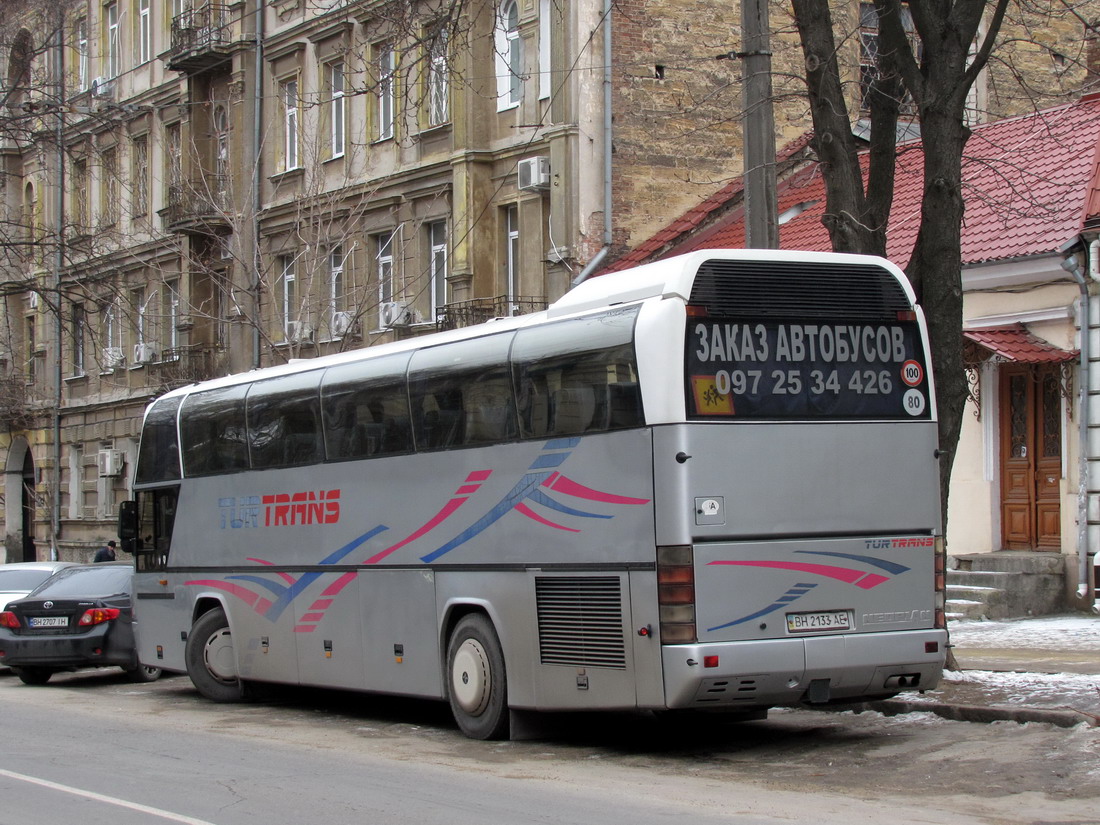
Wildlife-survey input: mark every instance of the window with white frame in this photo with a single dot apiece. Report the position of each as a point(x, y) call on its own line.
point(139, 177)
point(138, 308)
point(438, 87)
point(170, 310)
point(511, 255)
point(437, 248)
point(111, 334)
point(509, 56)
point(82, 56)
point(386, 69)
point(220, 121)
point(545, 7)
point(291, 103)
point(383, 262)
point(80, 331)
point(144, 31)
point(334, 83)
point(287, 295)
point(336, 288)
point(114, 43)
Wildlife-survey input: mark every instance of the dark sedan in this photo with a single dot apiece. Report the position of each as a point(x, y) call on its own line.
point(79, 618)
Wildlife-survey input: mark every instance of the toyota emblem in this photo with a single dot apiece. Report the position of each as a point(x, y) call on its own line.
point(47, 605)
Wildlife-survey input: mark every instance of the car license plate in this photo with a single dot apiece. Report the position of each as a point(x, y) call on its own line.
point(821, 620)
point(48, 621)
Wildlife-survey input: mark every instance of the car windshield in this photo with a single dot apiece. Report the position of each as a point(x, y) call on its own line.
point(87, 581)
point(22, 580)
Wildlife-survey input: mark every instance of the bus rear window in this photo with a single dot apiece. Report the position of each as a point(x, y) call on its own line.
point(740, 369)
point(159, 453)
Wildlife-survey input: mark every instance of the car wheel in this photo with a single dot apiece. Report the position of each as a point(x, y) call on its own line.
point(142, 673)
point(476, 683)
point(33, 675)
point(211, 659)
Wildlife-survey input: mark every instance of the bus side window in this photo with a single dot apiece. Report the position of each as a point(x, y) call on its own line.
point(365, 409)
point(214, 432)
point(284, 421)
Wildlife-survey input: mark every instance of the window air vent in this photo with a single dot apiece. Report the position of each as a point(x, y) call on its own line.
point(581, 621)
point(790, 289)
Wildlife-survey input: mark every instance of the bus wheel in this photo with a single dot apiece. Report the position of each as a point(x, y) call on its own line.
point(211, 660)
point(476, 682)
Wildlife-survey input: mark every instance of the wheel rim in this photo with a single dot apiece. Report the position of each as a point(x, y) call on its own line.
point(471, 681)
point(217, 655)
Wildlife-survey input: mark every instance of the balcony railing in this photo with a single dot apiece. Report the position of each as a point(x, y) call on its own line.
point(198, 206)
point(200, 38)
point(16, 412)
point(180, 366)
point(479, 310)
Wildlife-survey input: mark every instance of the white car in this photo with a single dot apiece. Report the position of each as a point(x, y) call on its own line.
point(20, 578)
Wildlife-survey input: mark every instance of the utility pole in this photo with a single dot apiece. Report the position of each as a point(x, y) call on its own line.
point(761, 229)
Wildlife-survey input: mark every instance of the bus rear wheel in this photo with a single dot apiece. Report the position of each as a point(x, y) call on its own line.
point(211, 659)
point(476, 682)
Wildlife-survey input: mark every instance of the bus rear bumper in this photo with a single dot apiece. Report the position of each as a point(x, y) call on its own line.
point(818, 669)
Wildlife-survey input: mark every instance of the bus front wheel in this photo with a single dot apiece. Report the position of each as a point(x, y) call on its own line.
point(211, 660)
point(476, 683)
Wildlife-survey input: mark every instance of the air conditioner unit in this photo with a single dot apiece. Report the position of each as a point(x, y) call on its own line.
point(534, 173)
point(109, 462)
point(299, 331)
point(144, 353)
point(113, 357)
point(394, 314)
point(342, 324)
point(102, 87)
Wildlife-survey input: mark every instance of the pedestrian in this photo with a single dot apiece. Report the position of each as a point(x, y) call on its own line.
point(105, 553)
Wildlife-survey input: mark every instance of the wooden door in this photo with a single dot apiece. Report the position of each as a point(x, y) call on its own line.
point(1031, 457)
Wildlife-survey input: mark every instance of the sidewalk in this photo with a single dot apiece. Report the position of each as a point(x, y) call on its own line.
point(1022, 670)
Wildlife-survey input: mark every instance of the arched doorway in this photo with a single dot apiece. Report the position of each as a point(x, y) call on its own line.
point(28, 508)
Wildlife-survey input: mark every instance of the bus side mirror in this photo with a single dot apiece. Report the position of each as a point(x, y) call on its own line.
point(128, 525)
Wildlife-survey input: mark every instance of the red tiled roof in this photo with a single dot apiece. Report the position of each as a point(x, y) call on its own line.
point(1015, 343)
point(1030, 184)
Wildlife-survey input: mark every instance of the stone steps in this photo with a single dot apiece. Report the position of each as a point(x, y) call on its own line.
point(1004, 585)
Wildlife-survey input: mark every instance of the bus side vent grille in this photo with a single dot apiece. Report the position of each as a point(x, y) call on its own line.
point(581, 621)
point(790, 289)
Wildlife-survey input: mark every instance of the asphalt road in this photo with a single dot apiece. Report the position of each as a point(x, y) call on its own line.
point(92, 748)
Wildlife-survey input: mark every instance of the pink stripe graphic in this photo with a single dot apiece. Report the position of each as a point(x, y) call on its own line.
point(289, 579)
point(572, 488)
point(844, 574)
point(338, 585)
point(531, 514)
point(245, 595)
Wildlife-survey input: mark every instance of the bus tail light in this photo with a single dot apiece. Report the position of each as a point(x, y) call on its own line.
point(940, 582)
point(676, 594)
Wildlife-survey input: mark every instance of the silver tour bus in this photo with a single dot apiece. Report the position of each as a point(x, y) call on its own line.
point(708, 483)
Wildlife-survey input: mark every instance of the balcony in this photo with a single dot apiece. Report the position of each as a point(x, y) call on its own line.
point(200, 39)
point(478, 310)
point(198, 207)
point(181, 366)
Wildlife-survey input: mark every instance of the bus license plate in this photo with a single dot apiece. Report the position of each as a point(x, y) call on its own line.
point(822, 620)
point(48, 621)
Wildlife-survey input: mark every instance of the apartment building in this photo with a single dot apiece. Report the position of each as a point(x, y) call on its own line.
point(198, 187)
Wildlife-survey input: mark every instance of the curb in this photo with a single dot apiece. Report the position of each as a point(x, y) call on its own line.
point(979, 713)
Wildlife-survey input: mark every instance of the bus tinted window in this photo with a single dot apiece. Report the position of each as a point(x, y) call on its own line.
point(578, 376)
point(461, 394)
point(159, 453)
point(284, 421)
point(213, 432)
point(366, 408)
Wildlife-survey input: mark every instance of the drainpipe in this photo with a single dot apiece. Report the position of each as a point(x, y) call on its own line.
point(257, 200)
point(1084, 451)
point(607, 78)
point(59, 263)
point(1085, 582)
